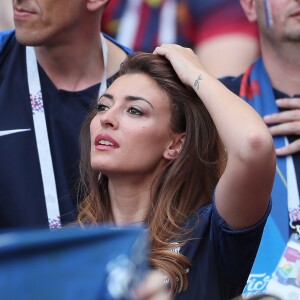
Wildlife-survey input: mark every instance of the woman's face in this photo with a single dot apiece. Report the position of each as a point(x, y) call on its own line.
point(131, 132)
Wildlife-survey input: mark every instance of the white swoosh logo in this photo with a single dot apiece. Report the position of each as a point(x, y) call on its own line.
point(7, 132)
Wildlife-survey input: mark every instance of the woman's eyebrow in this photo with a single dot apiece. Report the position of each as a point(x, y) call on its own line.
point(106, 96)
point(135, 98)
point(127, 98)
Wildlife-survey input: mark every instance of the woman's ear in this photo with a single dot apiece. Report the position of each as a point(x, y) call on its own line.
point(93, 5)
point(174, 147)
point(249, 9)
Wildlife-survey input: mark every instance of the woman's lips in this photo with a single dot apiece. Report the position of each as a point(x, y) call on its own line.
point(104, 142)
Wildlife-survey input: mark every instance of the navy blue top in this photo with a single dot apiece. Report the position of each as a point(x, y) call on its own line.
point(221, 257)
point(22, 201)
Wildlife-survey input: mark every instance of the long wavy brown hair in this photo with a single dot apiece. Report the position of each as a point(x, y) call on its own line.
point(186, 183)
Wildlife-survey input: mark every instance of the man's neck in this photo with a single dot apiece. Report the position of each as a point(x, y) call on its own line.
point(282, 63)
point(72, 67)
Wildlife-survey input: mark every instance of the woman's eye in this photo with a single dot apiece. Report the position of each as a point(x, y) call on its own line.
point(135, 111)
point(102, 107)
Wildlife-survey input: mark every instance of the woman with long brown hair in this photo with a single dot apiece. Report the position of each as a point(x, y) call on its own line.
point(170, 147)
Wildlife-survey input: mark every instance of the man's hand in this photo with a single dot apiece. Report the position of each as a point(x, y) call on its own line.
point(286, 123)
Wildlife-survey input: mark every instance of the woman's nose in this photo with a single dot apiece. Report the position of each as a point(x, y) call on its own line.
point(109, 119)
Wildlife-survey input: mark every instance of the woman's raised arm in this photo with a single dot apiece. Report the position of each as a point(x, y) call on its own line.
point(243, 192)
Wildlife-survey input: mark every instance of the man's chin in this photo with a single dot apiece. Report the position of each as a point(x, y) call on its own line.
point(28, 39)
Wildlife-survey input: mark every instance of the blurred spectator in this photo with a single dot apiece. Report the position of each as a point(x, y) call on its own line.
point(52, 69)
point(272, 87)
point(217, 29)
point(6, 15)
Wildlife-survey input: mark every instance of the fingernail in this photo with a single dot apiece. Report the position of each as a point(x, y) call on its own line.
point(279, 151)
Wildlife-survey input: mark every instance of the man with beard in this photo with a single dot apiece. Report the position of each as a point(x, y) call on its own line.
point(272, 86)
